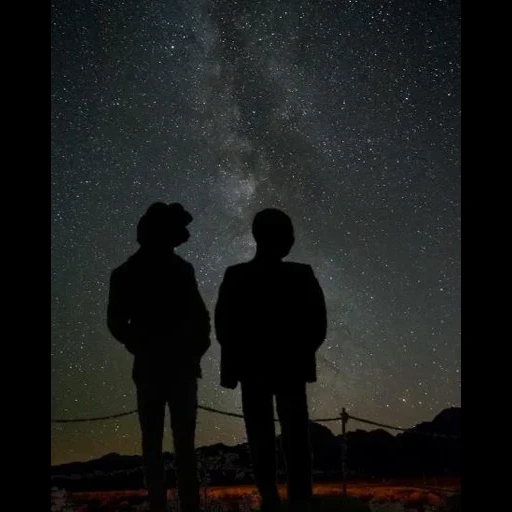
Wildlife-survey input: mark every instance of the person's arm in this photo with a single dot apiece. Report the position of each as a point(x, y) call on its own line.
point(118, 315)
point(199, 317)
point(315, 309)
point(225, 310)
point(224, 319)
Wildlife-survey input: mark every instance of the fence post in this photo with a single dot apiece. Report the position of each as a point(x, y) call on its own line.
point(344, 419)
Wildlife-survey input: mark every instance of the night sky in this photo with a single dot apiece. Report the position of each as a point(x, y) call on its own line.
point(345, 114)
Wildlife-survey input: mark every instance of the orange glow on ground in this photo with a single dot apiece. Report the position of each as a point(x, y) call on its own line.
point(410, 493)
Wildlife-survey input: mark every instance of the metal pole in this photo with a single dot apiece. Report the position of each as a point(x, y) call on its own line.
point(344, 419)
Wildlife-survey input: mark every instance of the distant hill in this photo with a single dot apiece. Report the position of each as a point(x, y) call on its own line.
point(428, 449)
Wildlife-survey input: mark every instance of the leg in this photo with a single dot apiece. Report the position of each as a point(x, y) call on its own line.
point(258, 410)
point(292, 408)
point(151, 406)
point(183, 408)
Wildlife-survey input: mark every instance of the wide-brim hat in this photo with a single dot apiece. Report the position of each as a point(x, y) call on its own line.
point(161, 221)
point(178, 215)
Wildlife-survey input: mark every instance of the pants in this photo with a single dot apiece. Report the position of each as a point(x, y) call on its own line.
point(292, 410)
point(180, 394)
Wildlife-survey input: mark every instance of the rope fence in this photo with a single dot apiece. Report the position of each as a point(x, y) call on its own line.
point(97, 418)
point(343, 417)
point(203, 407)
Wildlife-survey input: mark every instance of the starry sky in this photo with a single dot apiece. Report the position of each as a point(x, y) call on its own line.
point(345, 114)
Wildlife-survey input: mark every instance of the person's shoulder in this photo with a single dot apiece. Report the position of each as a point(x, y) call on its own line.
point(237, 270)
point(130, 266)
point(183, 266)
point(240, 267)
point(121, 271)
point(296, 267)
point(120, 276)
point(182, 262)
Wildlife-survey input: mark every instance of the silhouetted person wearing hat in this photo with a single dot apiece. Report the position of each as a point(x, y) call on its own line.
point(155, 309)
point(270, 319)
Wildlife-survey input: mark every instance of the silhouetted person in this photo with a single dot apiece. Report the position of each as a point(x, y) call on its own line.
point(155, 309)
point(270, 319)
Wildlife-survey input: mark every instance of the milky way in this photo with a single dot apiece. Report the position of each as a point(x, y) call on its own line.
point(346, 114)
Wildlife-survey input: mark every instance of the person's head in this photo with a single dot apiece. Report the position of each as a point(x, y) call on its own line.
point(272, 230)
point(164, 226)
